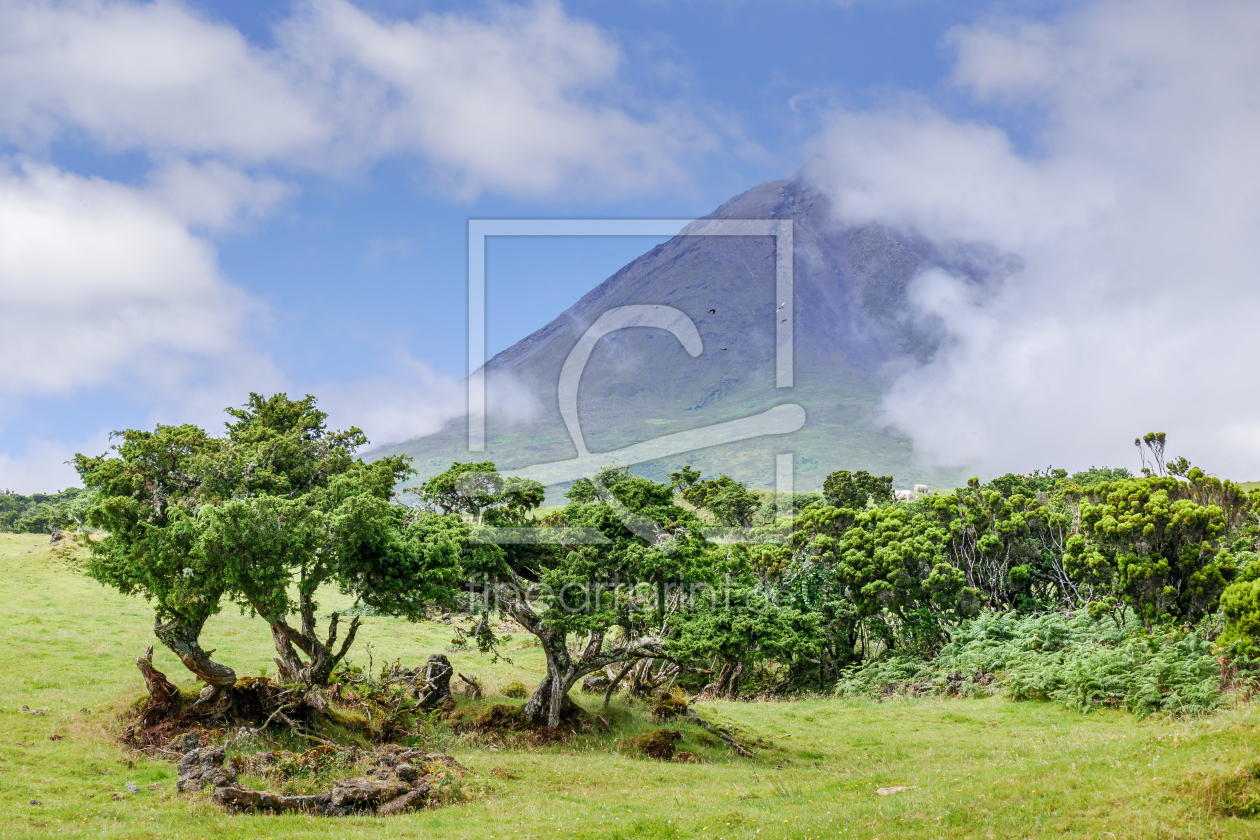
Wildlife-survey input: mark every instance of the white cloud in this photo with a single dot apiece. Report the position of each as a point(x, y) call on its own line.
point(215, 196)
point(410, 399)
point(42, 466)
point(154, 76)
point(99, 281)
point(523, 100)
point(508, 101)
point(1135, 215)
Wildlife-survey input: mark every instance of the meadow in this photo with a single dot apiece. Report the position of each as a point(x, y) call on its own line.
point(973, 767)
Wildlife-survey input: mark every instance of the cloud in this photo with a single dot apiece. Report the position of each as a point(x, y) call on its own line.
point(100, 281)
point(146, 75)
point(42, 467)
point(410, 399)
point(514, 100)
point(215, 196)
point(522, 100)
point(1134, 209)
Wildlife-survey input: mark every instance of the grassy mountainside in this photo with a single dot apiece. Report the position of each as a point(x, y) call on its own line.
point(852, 331)
point(972, 767)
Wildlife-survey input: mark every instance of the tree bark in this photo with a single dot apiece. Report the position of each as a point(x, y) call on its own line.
point(550, 701)
point(321, 658)
point(615, 681)
point(727, 682)
point(437, 676)
point(181, 636)
point(163, 694)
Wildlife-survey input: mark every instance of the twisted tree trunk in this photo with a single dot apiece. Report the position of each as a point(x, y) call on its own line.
point(321, 654)
point(181, 637)
point(162, 692)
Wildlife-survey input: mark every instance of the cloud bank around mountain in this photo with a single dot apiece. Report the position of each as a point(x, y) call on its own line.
point(1132, 194)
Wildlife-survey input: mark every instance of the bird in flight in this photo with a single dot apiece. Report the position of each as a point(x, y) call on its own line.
point(711, 311)
point(781, 305)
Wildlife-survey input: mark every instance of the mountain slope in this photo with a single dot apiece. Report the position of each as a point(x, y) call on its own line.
point(851, 333)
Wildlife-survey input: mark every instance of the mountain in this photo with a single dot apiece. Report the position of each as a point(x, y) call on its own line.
point(853, 332)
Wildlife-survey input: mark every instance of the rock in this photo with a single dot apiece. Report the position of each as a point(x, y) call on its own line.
point(132, 787)
point(186, 743)
point(596, 683)
point(406, 773)
point(243, 799)
point(204, 766)
point(413, 799)
point(36, 802)
point(670, 706)
point(364, 791)
point(318, 803)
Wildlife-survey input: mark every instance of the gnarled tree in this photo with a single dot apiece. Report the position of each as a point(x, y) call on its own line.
point(618, 573)
point(303, 513)
point(148, 498)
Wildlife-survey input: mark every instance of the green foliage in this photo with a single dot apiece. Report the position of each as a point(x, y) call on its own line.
point(843, 489)
point(1029, 484)
point(478, 490)
point(146, 502)
point(1007, 544)
point(265, 516)
point(1146, 545)
point(740, 619)
point(683, 478)
point(1240, 603)
point(586, 489)
point(731, 502)
point(772, 509)
point(515, 690)
point(1072, 660)
point(1094, 476)
point(883, 568)
point(44, 513)
point(620, 581)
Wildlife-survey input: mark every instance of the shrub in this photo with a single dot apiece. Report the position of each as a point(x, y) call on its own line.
point(1072, 660)
point(514, 690)
point(1240, 602)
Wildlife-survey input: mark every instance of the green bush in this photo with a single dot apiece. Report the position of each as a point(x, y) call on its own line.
point(1072, 660)
point(1240, 603)
point(514, 689)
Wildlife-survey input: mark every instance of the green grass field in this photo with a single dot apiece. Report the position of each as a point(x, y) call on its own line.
point(974, 768)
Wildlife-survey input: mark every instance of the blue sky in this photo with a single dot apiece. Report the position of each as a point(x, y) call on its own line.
point(199, 199)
